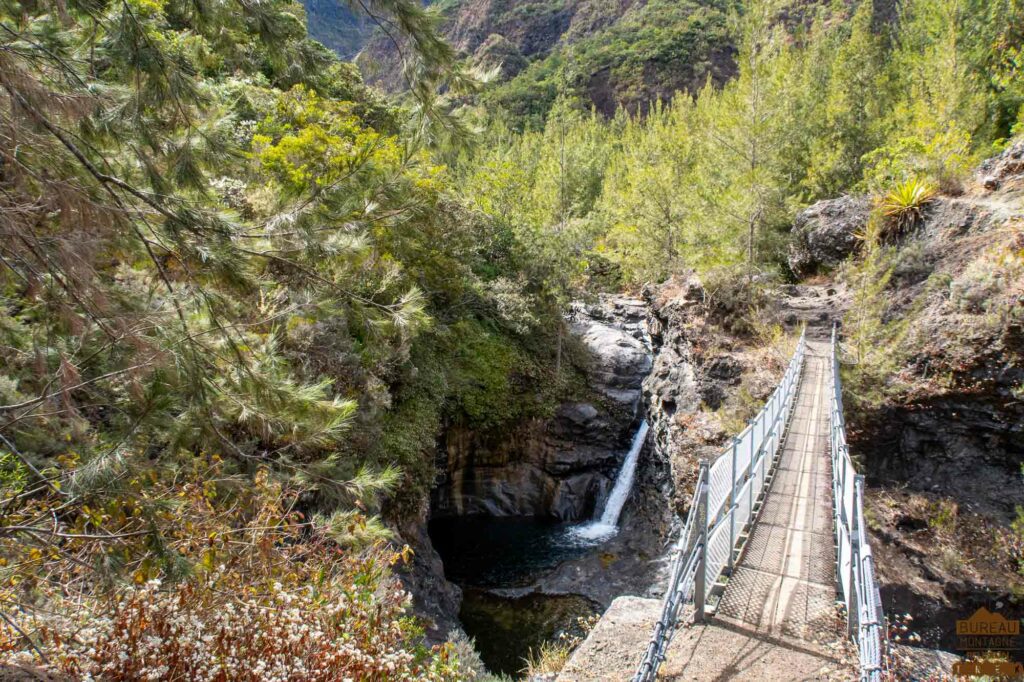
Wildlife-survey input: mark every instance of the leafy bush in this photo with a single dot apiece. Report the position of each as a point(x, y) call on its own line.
point(914, 263)
point(979, 287)
point(741, 303)
point(946, 159)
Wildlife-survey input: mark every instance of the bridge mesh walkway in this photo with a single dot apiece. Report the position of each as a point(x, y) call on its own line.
point(784, 583)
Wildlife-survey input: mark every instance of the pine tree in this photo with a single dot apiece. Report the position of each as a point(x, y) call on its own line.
point(856, 99)
point(744, 133)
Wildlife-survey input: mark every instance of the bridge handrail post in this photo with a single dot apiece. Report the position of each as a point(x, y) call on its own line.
point(732, 498)
point(699, 586)
point(753, 437)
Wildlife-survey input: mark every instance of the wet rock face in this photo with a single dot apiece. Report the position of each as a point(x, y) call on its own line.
point(561, 467)
point(823, 233)
point(435, 600)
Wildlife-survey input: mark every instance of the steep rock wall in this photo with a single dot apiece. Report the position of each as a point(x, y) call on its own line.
point(564, 466)
point(941, 437)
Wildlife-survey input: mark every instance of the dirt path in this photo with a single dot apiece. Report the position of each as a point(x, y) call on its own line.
point(816, 305)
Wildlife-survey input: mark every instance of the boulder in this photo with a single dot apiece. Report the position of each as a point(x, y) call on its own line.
point(995, 171)
point(579, 414)
point(824, 234)
point(620, 361)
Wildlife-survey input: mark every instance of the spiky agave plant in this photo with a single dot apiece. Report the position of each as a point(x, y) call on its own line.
point(903, 205)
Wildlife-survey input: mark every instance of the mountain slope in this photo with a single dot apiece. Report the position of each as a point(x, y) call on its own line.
point(610, 52)
point(334, 25)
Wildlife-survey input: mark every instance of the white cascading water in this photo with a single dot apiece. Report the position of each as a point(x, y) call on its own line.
point(607, 525)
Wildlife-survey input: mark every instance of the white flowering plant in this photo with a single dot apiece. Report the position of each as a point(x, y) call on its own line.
point(247, 591)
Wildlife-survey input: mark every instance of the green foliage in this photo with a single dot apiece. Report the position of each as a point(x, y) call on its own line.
point(697, 185)
point(652, 51)
point(942, 516)
point(224, 259)
point(832, 105)
point(903, 204)
point(873, 352)
point(846, 67)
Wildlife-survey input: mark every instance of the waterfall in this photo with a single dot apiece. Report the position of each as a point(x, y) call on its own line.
point(607, 525)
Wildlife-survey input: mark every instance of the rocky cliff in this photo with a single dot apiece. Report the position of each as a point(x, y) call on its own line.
point(940, 434)
point(705, 381)
point(561, 467)
point(622, 52)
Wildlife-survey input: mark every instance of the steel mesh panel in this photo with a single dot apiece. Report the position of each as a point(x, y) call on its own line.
point(719, 549)
point(720, 486)
point(743, 505)
point(743, 449)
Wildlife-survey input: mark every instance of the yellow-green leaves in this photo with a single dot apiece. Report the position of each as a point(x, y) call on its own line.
point(312, 145)
point(904, 202)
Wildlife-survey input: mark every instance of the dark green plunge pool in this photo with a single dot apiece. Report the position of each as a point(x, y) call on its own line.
point(484, 554)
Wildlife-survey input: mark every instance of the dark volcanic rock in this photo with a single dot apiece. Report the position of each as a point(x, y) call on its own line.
point(824, 233)
point(672, 384)
point(564, 466)
point(436, 601)
point(995, 171)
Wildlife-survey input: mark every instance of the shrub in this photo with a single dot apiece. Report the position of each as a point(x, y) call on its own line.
point(244, 592)
point(913, 263)
point(979, 288)
point(903, 205)
point(196, 631)
point(942, 516)
point(740, 303)
point(551, 657)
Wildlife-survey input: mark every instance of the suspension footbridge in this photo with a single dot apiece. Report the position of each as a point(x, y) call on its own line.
point(773, 576)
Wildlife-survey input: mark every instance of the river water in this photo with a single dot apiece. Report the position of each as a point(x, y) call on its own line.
point(496, 560)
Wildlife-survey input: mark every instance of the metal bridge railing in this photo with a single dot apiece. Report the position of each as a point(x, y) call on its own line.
point(855, 563)
point(721, 510)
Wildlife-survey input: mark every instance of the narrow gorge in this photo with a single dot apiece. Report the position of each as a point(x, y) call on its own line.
point(498, 340)
point(544, 525)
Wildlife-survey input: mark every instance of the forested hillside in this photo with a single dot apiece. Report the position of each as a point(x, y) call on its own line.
point(337, 27)
point(244, 295)
point(713, 181)
point(240, 299)
point(609, 54)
